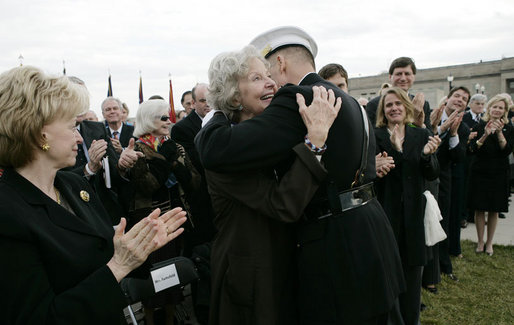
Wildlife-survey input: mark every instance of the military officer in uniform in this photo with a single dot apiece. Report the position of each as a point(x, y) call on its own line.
point(349, 269)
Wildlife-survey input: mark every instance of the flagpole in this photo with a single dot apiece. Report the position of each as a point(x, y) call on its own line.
point(109, 86)
point(173, 117)
point(140, 88)
point(21, 60)
point(63, 68)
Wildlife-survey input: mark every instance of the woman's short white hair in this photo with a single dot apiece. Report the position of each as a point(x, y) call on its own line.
point(224, 73)
point(147, 113)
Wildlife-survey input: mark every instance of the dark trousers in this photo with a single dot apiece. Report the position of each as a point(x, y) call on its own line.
point(444, 200)
point(431, 271)
point(457, 206)
point(410, 300)
point(349, 272)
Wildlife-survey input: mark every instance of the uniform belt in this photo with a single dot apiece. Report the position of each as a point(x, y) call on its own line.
point(349, 199)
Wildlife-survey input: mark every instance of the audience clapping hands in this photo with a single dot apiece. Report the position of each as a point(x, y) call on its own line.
point(383, 164)
point(131, 249)
point(129, 156)
point(432, 145)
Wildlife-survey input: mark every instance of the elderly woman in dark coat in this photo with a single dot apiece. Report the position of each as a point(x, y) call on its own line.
point(401, 191)
point(490, 170)
point(63, 260)
point(253, 274)
point(154, 179)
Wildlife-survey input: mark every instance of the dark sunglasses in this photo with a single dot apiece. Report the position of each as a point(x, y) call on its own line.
point(164, 118)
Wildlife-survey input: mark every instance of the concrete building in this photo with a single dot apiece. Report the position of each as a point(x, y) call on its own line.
point(489, 78)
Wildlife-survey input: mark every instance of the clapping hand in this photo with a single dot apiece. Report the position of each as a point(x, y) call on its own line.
point(435, 117)
point(383, 164)
point(455, 123)
point(490, 128)
point(117, 145)
point(432, 145)
point(129, 156)
point(395, 139)
point(131, 249)
point(419, 114)
point(96, 152)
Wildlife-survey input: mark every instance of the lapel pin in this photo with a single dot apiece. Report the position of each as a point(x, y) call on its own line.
point(84, 196)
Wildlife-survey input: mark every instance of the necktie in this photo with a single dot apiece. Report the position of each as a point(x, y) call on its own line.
point(115, 135)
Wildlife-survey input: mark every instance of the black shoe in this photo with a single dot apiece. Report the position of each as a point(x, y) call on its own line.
point(452, 277)
point(431, 289)
point(422, 307)
point(501, 216)
point(463, 223)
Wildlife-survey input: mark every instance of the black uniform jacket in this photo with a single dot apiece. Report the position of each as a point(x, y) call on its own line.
point(359, 275)
point(401, 191)
point(54, 269)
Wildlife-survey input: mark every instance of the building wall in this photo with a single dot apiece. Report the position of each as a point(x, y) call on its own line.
point(496, 76)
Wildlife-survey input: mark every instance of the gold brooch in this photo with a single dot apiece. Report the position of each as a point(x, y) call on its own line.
point(266, 50)
point(84, 196)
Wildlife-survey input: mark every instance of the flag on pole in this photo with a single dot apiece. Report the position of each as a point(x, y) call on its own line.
point(109, 87)
point(140, 88)
point(63, 68)
point(173, 118)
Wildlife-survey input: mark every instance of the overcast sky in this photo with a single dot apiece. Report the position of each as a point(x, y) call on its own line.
point(181, 37)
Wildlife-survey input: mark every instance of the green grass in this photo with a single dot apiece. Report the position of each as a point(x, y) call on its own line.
point(483, 295)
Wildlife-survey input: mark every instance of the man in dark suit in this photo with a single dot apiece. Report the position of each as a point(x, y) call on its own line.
point(402, 74)
point(119, 132)
point(476, 109)
point(187, 101)
point(201, 214)
point(454, 136)
point(349, 270)
point(336, 74)
point(95, 146)
point(184, 132)
point(471, 119)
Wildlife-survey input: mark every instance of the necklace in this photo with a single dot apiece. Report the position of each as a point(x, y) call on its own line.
point(57, 195)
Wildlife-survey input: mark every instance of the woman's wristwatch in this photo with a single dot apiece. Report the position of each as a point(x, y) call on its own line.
point(313, 148)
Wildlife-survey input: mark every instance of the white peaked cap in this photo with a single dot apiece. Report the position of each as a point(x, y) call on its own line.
point(268, 42)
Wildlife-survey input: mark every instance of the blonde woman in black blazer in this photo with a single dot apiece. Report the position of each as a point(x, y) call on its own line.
point(401, 191)
point(62, 264)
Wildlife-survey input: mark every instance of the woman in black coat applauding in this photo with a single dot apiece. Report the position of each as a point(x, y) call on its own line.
point(63, 260)
point(489, 171)
point(401, 191)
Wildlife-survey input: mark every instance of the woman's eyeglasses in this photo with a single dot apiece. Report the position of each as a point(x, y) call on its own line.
point(164, 118)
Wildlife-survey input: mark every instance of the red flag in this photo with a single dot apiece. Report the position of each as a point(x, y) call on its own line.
point(173, 117)
point(140, 89)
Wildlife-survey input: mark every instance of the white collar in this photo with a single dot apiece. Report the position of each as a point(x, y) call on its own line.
point(118, 130)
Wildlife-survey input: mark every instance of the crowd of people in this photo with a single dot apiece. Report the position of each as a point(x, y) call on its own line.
point(298, 203)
